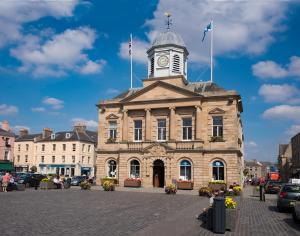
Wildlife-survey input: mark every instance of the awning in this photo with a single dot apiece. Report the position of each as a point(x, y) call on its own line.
point(6, 166)
point(56, 166)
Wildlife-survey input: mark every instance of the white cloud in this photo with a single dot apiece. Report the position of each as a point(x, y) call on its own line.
point(38, 109)
point(139, 49)
point(89, 123)
point(283, 112)
point(56, 56)
point(112, 91)
point(251, 144)
point(293, 130)
point(54, 103)
point(13, 14)
point(272, 70)
point(8, 109)
point(240, 27)
point(280, 93)
point(92, 67)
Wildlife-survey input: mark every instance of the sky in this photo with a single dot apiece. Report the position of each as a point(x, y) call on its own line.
point(59, 58)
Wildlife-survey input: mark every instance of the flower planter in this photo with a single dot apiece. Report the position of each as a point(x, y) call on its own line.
point(217, 186)
point(230, 220)
point(133, 183)
point(185, 185)
point(47, 185)
point(255, 192)
point(112, 180)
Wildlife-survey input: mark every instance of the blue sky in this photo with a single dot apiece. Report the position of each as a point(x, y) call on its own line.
point(57, 60)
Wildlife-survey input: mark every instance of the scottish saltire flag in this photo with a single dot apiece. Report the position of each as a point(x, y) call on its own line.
point(207, 28)
point(130, 45)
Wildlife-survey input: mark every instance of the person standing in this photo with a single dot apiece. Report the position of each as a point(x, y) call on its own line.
point(5, 181)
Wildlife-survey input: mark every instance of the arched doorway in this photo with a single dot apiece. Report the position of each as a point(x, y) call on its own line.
point(158, 174)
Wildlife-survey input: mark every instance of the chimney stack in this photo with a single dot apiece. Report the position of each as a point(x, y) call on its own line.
point(23, 132)
point(5, 125)
point(47, 132)
point(80, 127)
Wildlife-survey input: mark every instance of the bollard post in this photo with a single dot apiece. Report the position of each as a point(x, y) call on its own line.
point(219, 214)
point(260, 192)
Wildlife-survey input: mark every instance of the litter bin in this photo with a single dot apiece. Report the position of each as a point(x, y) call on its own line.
point(219, 214)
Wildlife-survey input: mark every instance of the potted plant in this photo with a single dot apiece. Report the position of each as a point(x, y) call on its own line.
point(204, 191)
point(111, 140)
point(237, 190)
point(132, 182)
point(217, 185)
point(46, 183)
point(255, 192)
point(170, 189)
point(110, 179)
point(231, 214)
point(85, 185)
point(108, 186)
point(185, 184)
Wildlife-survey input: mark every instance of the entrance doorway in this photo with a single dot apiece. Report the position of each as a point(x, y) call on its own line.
point(158, 174)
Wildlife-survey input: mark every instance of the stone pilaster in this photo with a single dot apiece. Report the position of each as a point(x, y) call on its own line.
point(125, 126)
point(172, 124)
point(148, 125)
point(198, 123)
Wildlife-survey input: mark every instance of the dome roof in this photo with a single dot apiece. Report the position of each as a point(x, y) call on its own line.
point(168, 37)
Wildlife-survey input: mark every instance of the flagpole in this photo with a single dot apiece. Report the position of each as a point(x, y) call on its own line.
point(131, 61)
point(211, 51)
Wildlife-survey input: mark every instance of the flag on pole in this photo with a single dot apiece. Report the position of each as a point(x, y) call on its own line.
point(207, 28)
point(130, 44)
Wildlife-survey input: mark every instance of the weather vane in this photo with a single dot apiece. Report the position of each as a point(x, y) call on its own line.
point(169, 20)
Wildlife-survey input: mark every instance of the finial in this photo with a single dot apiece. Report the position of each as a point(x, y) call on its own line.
point(169, 20)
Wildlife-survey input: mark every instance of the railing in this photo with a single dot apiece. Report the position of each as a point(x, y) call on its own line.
point(134, 146)
point(185, 145)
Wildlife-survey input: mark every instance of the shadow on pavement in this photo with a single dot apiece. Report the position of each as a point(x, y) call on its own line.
point(292, 224)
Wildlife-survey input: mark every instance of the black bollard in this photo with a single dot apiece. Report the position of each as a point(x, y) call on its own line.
point(219, 214)
point(260, 192)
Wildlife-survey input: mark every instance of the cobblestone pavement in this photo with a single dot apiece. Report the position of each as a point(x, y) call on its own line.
point(76, 212)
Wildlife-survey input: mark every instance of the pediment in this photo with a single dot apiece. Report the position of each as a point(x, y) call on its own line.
point(112, 117)
point(157, 149)
point(217, 111)
point(160, 91)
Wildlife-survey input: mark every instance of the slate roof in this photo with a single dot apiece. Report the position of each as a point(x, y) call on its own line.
point(28, 137)
point(167, 38)
point(87, 136)
point(6, 133)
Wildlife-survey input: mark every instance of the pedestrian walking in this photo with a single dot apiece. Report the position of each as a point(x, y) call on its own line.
point(5, 181)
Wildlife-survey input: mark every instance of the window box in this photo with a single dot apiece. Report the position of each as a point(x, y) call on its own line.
point(112, 180)
point(134, 183)
point(185, 185)
point(217, 185)
point(216, 139)
point(111, 140)
point(47, 185)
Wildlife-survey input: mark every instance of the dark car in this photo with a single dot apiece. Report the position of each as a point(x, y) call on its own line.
point(296, 211)
point(30, 179)
point(273, 186)
point(288, 196)
point(76, 180)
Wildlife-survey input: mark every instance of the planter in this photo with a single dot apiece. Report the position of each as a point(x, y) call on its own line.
point(230, 219)
point(255, 192)
point(133, 183)
point(21, 187)
point(185, 185)
point(217, 186)
point(111, 180)
point(47, 185)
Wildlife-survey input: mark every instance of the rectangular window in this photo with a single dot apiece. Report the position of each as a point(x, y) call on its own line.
point(161, 129)
point(64, 147)
point(26, 158)
point(63, 159)
point(82, 159)
point(217, 126)
point(53, 159)
point(27, 147)
point(54, 147)
point(83, 147)
point(89, 148)
point(42, 159)
point(187, 128)
point(43, 147)
point(19, 147)
point(138, 131)
point(74, 147)
point(89, 160)
point(6, 155)
point(112, 131)
point(18, 158)
point(73, 159)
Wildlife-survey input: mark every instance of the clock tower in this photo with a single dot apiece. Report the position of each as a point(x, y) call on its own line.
point(167, 56)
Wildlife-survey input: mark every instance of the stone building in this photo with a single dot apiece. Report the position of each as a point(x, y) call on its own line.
point(254, 169)
point(7, 139)
point(285, 161)
point(295, 161)
point(171, 129)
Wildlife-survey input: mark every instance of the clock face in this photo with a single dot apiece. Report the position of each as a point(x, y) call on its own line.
point(163, 61)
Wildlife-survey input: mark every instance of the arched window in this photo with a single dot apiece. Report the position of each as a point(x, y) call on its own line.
point(112, 168)
point(185, 170)
point(134, 169)
point(152, 67)
point(176, 64)
point(218, 170)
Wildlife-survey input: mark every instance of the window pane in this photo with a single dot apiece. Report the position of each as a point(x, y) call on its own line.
point(137, 124)
point(217, 120)
point(112, 124)
point(187, 121)
point(221, 131)
point(161, 123)
point(215, 131)
point(189, 133)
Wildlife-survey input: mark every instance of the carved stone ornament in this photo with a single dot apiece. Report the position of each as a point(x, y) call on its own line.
point(157, 151)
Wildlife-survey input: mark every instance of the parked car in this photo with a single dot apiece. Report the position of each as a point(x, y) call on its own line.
point(296, 211)
point(288, 196)
point(273, 186)
point(76, 180)
point(29, 179)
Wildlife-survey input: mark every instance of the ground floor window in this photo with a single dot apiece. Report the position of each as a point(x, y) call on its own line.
point(112, 168)
point(185, 170)
point(218, 170)
point(134, 169)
